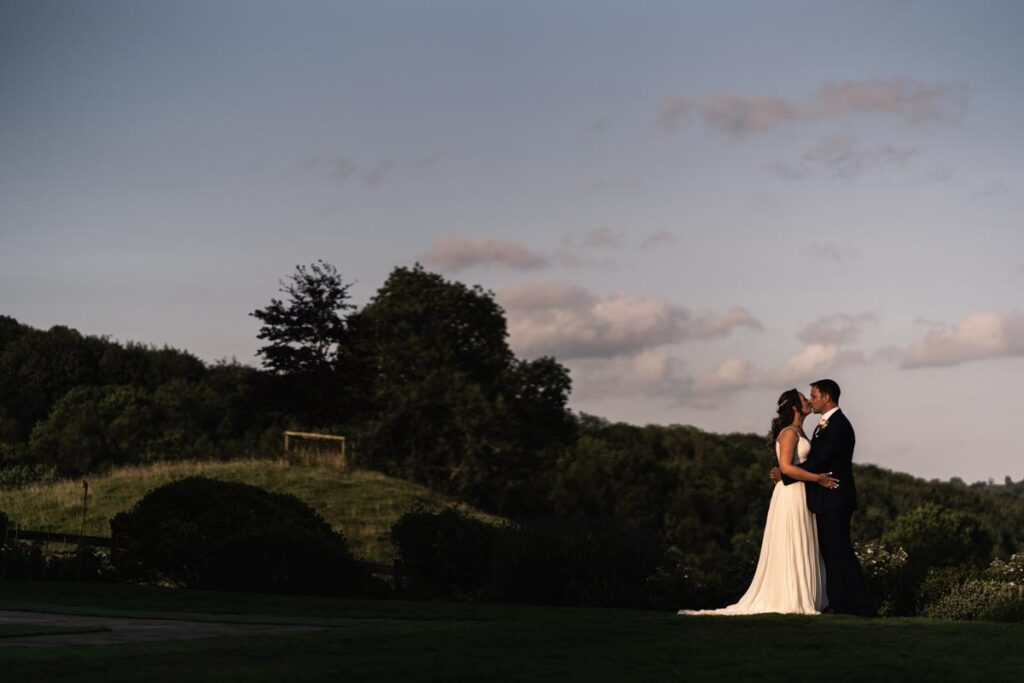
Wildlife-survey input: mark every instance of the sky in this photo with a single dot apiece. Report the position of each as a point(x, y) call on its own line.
point(693, 205)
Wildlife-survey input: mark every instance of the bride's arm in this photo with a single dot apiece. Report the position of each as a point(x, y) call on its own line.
point(787, 449)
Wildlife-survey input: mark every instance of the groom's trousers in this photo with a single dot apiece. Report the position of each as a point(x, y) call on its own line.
point(844, 580)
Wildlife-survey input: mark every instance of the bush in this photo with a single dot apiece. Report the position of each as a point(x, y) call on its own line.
point(93, 565)
point(1010, 571)
point(576, 562)
point(204, 533)
point(888, 578)
point(23, 560)
point(443, 554)
point(709, 581)
point(981, 600)
point(546, 560)
point(934, 536)
point(942, 581)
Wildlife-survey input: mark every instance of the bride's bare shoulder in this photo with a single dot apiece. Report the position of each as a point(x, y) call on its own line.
point(787, 435)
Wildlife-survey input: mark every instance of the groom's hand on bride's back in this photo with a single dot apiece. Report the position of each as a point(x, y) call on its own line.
point(775, 475)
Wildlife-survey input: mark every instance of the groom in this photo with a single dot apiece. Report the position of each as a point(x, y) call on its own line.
point(832, 451)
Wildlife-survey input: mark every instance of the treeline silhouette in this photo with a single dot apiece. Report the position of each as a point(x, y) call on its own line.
point(422, 381)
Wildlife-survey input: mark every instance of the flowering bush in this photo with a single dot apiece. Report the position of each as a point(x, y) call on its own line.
point(980, 599)
point(941, 581)
point(997, 594)
point(889, 582)
point(1008, 571)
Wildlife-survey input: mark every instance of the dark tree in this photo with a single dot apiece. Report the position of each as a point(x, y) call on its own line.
point(306, 333)
point(451, 405)
point(308, 349)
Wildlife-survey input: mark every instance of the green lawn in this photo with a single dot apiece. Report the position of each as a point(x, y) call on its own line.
point(18, 630)
point(362, 504)
point(441, 641)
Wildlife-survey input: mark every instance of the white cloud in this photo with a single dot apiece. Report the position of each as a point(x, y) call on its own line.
point(452, 254)
point(709, 326)
point(733, 374)
point(836, 329)
point(817, 359)
point(739, 116)
point(658, 374)
point(569, 322)
point(653, 373)
point(978, 336)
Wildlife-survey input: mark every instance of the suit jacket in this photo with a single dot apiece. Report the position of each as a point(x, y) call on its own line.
point(831, 451)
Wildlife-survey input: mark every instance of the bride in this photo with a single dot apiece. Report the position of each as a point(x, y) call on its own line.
point(790, 575)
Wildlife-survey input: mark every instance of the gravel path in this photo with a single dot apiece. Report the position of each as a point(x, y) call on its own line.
point(123, 630)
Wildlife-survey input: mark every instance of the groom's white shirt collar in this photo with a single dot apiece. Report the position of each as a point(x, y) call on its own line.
point(830, 413)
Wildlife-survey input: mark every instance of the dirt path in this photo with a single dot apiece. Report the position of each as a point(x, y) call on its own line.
point(124, 630)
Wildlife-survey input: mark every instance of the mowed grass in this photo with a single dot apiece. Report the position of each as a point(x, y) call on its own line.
point(390, 640)
point(362, 504)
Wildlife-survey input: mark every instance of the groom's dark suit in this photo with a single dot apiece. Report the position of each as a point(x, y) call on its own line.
point(832, 451)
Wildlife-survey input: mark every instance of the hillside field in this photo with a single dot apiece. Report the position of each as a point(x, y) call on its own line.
point(362, 504)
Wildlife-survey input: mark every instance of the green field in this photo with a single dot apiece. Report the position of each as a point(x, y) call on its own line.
point(443, 641)
point(362, 504)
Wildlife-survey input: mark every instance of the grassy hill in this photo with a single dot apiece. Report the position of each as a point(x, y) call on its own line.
point(362, 504)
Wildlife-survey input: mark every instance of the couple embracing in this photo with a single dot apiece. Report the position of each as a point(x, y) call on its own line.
point(807, 563)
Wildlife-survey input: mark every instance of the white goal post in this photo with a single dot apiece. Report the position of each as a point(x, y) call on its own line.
point(314, 448)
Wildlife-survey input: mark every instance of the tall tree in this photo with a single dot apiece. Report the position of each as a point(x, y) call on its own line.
point(306, 333)
point(308, 350)
point(452, 407)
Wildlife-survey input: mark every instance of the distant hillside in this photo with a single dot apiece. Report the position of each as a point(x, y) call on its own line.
point(362, 504)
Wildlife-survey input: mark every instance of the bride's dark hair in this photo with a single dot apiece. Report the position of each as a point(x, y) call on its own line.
point(784, 416)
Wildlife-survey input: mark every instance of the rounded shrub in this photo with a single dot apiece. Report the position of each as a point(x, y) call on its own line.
point(205, 533)
point(443, 553)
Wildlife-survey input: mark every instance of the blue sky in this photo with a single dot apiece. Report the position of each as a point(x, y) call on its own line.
point(693, 205)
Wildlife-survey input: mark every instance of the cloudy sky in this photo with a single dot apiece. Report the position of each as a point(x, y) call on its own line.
point(692, 205)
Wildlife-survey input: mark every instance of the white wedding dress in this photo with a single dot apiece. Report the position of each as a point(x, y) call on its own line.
point(790, 575)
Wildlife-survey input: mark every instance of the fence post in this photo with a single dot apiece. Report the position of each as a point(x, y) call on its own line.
point(81, 531)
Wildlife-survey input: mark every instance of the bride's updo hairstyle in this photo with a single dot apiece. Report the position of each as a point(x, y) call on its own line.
point(784, 417)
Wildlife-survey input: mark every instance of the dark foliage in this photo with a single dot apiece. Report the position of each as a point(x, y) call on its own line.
point(937, 537)
point(72, 403)
point(708, 581)
point(443, 554)
point(449, 404)
point(204, 533)
point(553, 561)
point(940, 582)
point(23, 560)
point(309, 349)
point(562, 561)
